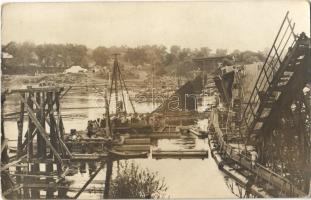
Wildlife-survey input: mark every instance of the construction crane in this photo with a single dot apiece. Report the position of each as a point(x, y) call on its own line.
point(118, 84)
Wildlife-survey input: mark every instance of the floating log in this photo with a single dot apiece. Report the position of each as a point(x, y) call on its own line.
point(133, 148)
point(95, 156)
point(137, 141)
point(127, 155)
point(159, 135)
point(158, 154)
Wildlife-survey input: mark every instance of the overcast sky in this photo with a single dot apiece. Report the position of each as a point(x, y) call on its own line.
point(233, 25)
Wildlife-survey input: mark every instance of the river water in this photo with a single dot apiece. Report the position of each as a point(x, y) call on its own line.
point(184, 178)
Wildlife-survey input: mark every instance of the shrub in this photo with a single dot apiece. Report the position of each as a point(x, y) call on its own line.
point(134, 182)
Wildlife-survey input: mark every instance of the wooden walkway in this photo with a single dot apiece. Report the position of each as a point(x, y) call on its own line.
point(260, 171)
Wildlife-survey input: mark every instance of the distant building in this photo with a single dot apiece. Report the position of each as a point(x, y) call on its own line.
point(75, 69)
point(6, 55)
point(210, 63)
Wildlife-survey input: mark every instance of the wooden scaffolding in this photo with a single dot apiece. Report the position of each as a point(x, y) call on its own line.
point(41, 152)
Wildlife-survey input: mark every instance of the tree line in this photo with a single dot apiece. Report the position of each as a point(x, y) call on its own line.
point(26, 55)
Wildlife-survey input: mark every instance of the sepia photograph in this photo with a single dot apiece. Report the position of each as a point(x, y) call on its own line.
point(155, 99)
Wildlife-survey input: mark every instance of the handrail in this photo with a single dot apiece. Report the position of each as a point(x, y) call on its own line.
point(268, 56)
point(254, 167)
point(268, 74)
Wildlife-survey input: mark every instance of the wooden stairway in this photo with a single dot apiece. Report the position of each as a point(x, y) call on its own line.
point(284, 73)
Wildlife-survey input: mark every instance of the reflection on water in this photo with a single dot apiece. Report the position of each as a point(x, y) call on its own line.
point(185, 178)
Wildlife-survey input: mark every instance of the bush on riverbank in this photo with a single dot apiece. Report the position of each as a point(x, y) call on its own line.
point(134, 182)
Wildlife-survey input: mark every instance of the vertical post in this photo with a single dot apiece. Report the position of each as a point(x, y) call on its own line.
point(54, 135)
point(42, 116)
point(60, 121)
point(59, 129)
point(26, 179)
point(52, 121)
point(6, 180)
point(116, 82)
point(49, 190)
point(20, 124)
point(111, 84)
point(38, 115)
point(152, 89)
point(49, 165)
point(108, 178)
point(31, 128)
point(108, 127)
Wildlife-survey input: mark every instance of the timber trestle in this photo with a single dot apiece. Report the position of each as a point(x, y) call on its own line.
point(41, 150)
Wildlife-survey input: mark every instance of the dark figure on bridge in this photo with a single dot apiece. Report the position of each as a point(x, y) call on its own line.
point(90, 128)
point(103, 123)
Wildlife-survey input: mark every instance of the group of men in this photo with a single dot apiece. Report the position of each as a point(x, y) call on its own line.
point(119, 120)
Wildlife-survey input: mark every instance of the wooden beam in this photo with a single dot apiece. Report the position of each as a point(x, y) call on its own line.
point(40, 89)
point(38, 106)
point(4, 144)
point(12, 189)
point(65, 92)
point(65, 147)
point(36, 176)
point(7, 166)
point(88, 181)
point(31, 137)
